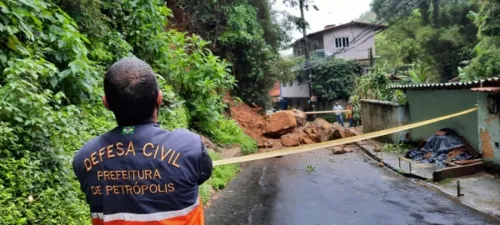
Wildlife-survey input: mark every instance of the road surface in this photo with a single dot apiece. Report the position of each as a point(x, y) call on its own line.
point(343, 189)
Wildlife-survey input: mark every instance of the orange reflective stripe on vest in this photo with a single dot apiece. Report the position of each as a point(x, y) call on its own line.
point(192, 215)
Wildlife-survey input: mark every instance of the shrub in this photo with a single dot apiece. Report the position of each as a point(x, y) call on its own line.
point(334, 79)
point(376, 85)
point(225, 131)
point(221, 176)
point(173, 112)
point(50, 106)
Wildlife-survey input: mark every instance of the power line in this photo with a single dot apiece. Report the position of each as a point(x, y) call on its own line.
point(377, 32)
point(378, 23)
point(406, 13)
point(381, 20)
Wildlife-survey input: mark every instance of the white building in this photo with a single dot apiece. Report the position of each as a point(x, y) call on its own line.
point(354, 41)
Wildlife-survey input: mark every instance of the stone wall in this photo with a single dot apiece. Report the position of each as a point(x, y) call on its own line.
point(381, 115)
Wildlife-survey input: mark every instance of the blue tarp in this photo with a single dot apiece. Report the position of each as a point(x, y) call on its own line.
point(439, 146)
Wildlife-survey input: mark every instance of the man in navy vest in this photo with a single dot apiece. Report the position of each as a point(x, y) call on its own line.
point(138, 173)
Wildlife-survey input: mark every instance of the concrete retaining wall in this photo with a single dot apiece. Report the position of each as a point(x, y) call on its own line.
point(429, 104)
point(380, 115)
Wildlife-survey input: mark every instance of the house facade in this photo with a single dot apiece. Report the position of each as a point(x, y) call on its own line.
point(351, 41)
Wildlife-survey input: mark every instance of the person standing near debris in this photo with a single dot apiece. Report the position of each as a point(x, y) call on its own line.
point(138, 173)
point(338, 108)
point(349, 115)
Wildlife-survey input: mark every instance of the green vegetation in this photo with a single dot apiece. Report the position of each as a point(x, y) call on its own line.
point(334, 79)
point(438, 44)
point(444, 182)
point(221, 176)
point(310, 169)
point(443, 39)
point(376, 85)
point(227, 132)
point(248, 34)
point(487, 52)
point(396, 148)
point(52, 62)
point(355, 102)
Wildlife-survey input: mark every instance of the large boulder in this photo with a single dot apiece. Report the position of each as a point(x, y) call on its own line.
point(279, 124)
point(300, 117)
point(337, 134)
point(324, 129)
point(290, 140)
point(309, 131)
point(305, 139)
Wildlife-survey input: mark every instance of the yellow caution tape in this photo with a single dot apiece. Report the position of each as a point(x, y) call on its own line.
point(325, 112)
point(342, 141)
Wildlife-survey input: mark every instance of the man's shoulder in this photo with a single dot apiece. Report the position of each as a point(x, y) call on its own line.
point(88, 146)
point(185, 134)
point(184, 139)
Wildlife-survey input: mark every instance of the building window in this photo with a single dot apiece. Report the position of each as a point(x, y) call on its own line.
point(341, 42)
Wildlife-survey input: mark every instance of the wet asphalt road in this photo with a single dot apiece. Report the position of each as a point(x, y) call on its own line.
point(343, 189)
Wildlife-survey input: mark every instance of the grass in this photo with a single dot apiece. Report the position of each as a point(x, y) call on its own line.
point(227, 132)
point(400, 171)
point(445, 181)
point(396, 148)
point(221, 176)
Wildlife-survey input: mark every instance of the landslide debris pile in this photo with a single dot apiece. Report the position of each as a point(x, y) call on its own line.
point(284, 128)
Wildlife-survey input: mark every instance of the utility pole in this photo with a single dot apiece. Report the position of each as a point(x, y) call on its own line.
point(306, 50)
point(370, 54)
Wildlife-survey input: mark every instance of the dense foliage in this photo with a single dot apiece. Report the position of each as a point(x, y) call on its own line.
point(334, 79)
point(443, 38)
point(221, 176)
point(247, 33)
point(376, 85)
point(438, 36)
point(53, 54)
point(486, 61)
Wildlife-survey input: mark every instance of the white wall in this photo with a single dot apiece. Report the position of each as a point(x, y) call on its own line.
point(358, 52)
point(295, 91)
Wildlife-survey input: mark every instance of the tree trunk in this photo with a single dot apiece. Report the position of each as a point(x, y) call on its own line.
point(435, 12)
point(424, 11)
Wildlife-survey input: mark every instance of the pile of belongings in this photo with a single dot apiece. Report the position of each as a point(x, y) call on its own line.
point(443, 147)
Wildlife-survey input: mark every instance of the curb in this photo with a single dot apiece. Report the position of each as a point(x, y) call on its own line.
point(396, 170)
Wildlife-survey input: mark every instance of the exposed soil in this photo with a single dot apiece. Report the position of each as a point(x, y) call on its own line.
point(285, 128)
point(250, 120)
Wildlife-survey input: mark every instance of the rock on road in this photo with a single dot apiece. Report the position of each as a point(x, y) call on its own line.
point(343, 189)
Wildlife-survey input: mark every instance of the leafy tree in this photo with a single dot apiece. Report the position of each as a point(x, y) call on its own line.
point(307, 5)
point(334, 79)
point(51, 67)
point(248, 35)
point(439, 46)
point(487, 52)
point(376, 85)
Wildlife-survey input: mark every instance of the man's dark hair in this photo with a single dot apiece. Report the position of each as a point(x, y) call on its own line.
point(131, 91)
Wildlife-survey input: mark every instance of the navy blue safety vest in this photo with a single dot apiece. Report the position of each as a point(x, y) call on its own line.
point(143, 175)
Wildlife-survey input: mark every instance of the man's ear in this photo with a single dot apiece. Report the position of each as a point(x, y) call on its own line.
point(105, 102)
point(159, 98)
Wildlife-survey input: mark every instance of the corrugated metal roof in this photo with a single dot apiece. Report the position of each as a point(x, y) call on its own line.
point(487, 89)
point(492, 81)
